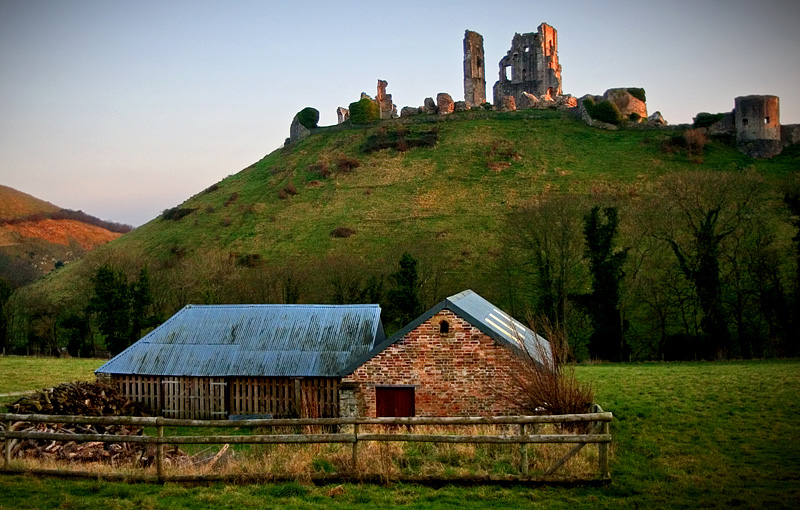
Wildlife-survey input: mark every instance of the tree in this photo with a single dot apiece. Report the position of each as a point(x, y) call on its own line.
point(5, 293)
point(142, 314)
point(605, 267)
point(704, 210)
point(111, 303)
point(543, 241)
point(404, 303)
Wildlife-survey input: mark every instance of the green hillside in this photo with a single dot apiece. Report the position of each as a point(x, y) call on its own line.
point(313, 222)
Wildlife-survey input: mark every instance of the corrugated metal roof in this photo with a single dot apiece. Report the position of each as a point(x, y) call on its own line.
point(254, 340)
point(482, 314)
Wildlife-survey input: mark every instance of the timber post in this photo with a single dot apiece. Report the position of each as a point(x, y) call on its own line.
point(354, 462)
point(159, 449)
point(523, 453)
point(602, 450)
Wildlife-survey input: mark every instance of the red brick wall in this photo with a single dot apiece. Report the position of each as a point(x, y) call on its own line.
point(457, 374)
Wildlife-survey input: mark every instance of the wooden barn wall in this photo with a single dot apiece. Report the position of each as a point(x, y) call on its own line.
point(200, 398)
point(280, 396)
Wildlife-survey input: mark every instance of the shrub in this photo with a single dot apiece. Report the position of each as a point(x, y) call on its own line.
point(248, 260)
point(346, 165)
point(696, 141)
point(605, 111)
point(308, 117)
point(290, 189)
point(549, 386)
point(283, 195)
point(231, 199)
point(342, 232)
point(213, 187)
point(177, 213)
point(638, 94)
point(487, 106)
point(364, 111)
point(704, 120)
point(322, 168)
point(634, 117)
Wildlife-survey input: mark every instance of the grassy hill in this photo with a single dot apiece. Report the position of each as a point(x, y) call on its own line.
point(37, 236)
point(15, 204)
point(313, 218)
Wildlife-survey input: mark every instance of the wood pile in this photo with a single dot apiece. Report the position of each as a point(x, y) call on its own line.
point(79, 398)
point(83, 399)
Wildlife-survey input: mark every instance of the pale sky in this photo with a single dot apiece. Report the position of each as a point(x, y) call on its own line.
point(125, 108)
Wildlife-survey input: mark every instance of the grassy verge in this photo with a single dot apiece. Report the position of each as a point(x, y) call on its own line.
point(687, 435)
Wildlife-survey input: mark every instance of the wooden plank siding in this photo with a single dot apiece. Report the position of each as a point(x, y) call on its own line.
point(276, 396)
point(197, 398)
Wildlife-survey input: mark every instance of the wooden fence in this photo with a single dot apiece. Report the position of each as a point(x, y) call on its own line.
point(597, 421)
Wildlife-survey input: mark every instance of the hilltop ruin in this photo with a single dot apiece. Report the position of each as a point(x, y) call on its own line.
point(531, 65)
point(530, 77)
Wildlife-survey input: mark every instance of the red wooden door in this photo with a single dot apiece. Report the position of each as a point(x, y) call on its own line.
point(394, 401)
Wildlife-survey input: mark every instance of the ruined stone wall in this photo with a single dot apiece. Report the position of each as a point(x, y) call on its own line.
point(531, 65)
point(386, 109)
point(474, 69)
point(459, 373)
point(758, 126)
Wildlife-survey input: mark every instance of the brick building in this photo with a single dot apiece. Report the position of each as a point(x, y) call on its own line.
point(454, 360)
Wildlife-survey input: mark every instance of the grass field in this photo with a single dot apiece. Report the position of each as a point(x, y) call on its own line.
point(20, 373)
point(687, 435)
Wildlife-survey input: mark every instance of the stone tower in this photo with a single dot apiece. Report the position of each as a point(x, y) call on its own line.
point(531, 65)
point(474, 69)
point(758, 126)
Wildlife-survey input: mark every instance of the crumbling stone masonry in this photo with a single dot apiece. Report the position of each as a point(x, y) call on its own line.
point(531, 65)
point(342, 114)
point(385, 107)
point(474, 69)
point(758, 126)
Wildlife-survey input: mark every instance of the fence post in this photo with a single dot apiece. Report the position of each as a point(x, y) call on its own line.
point(355, 448)
point(602, 450)
point(523, 452)
point(7, 448)
point(159, 449)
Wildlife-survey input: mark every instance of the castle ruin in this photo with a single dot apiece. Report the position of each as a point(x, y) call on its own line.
point(758, 127)
point(474, 69)
point(531, 65)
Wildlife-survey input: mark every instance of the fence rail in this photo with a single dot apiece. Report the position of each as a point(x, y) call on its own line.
point(598, 434)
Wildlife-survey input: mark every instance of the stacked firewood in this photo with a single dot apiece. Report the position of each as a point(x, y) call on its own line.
point(79, 398)
point(82, 399)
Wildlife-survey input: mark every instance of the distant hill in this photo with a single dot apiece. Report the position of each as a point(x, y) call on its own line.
point(37, 236)
point(16, 204)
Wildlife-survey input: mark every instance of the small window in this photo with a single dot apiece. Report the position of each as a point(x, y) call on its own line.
point(744, 122)
point(444, 328)
point(766, 120)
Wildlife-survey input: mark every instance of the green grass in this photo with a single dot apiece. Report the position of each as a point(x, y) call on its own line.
point(686, 435)
point(21, 373)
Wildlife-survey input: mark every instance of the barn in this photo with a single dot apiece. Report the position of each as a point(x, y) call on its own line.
point(218, 361)
point(456, 359)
